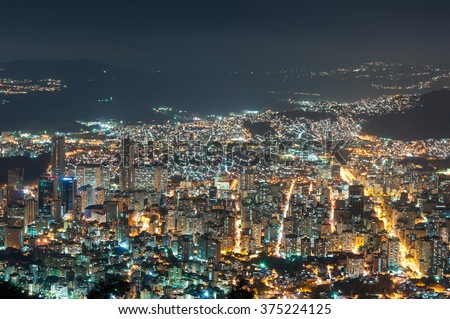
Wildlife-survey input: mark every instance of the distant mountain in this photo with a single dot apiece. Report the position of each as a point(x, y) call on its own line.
point(98, 90)
point(92, 90)
point(428, 164)
point(430, 119)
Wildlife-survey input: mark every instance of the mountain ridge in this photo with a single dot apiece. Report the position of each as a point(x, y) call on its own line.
point(94, 89)
point(428, 120)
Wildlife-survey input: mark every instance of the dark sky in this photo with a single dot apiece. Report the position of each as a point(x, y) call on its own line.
point(227, 35)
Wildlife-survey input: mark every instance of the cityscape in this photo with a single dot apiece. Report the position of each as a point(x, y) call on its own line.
point(231, 169)
point(196, 209)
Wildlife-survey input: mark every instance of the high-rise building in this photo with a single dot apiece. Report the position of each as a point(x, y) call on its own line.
point(106, 176)
point(209, 248)
point(58, 156)
point(111, 210)
point(15, 215)
point(57, 210)
point(13, 237)
point(185, 247)
point(45, 194)
point(305, 247)
point(98, 196)
point(69, 186)
point(291, 244)
point(320, 247)
point(143, 177)
point(15, 185)
point(246, 181)
point(128, 152)
point(58, 164)
point(31, 209)
point(15, 226)
point(356, 200)
point(126, 177)
point(86, 194)
point(89, 174)
point(160, 179)
point(393, 253)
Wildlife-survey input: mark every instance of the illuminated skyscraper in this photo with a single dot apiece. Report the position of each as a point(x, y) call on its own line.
point(126, 177)
point(15, 215)
point(86, 194)
point(58, 164)
point(89, 174)
point(31, 209)
point(45, 194)
point(15, 185)
point(15, 226)
point(393, 252)
point(69, 187)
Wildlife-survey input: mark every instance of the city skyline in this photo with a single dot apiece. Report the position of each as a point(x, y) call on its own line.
point(225, 150)
point(177, 201)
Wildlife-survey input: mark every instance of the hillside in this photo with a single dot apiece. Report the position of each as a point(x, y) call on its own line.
point(430, 119)
point(94, 89)
point(90, 90)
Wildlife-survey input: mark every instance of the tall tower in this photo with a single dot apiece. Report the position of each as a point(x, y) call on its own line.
point(127, 169)
point(58, 164)
point(45, 194)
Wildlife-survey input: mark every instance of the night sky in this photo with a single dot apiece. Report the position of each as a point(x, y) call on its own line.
point(226, 35)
